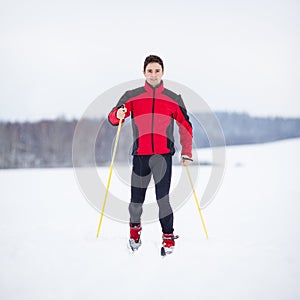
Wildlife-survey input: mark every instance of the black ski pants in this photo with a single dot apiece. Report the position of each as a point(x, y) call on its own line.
point(144, 166)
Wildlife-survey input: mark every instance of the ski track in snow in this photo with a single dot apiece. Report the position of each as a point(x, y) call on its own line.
point(48, 248)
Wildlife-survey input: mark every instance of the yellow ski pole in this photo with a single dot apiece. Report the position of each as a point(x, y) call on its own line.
point(109, 177)
point(196, 199)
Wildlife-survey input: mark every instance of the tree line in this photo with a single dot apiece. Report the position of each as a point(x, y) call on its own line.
point(49, 143)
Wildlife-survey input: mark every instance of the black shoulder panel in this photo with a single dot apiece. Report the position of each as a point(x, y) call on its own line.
point(130, 94)
point(179, 101)
point(170, 94)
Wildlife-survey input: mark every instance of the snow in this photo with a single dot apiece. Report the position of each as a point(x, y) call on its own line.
point(48, 248)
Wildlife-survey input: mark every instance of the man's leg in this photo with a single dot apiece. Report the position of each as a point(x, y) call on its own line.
point(140, 178)
point(161, 166)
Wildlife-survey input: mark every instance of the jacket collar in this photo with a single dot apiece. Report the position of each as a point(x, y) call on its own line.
point(159, 88)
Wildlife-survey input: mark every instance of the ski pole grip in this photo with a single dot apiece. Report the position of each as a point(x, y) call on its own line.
point(187, 158)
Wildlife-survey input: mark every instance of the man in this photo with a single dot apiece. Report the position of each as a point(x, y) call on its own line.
point(153, 109)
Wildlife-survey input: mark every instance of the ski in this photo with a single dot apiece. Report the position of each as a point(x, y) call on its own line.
point(133, 246)
point(166, 251)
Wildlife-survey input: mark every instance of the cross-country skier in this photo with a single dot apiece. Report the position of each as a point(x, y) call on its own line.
point(153, 109)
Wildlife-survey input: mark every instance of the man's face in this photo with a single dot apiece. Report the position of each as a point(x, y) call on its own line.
point(153, 73)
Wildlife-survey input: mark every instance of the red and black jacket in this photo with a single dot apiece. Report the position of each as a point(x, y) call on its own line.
point(153, 111)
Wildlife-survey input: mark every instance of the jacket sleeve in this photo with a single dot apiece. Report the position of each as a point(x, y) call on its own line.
point(185, 128)
point(112, 116)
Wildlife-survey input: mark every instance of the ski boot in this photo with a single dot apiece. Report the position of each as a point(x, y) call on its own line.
point(135, 239)
point(168, 244)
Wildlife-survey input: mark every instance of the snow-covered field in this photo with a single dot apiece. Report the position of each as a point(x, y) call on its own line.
point(48, 248)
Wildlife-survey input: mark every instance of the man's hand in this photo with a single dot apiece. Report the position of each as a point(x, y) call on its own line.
point(185, 160)
point(121, 113)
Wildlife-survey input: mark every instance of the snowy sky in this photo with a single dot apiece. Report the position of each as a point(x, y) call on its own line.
point(57, 56)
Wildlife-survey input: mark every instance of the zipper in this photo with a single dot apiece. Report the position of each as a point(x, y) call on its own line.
point(153, 100)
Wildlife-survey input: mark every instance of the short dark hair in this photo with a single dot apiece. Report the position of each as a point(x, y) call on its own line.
point(153, 58)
